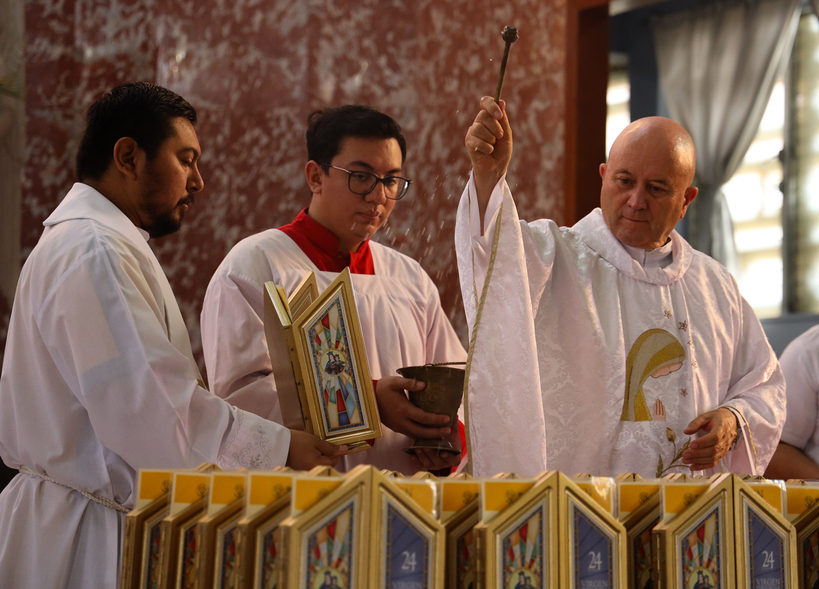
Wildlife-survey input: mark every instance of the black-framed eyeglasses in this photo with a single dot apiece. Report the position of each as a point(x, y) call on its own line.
point(363, 183)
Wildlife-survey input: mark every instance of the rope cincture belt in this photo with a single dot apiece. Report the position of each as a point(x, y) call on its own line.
point(109, 503)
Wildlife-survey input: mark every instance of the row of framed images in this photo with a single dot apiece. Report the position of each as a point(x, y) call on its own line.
point(370, 528)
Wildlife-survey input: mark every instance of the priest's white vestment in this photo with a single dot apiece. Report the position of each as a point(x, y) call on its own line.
point(587, 361)
point(98, 381)
point(402, 322)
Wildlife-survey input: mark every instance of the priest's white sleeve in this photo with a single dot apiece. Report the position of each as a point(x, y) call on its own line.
point(757, 392)
point(139, 391)
point(506, 430)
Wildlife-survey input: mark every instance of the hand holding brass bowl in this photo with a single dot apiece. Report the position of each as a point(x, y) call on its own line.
point(442, 395)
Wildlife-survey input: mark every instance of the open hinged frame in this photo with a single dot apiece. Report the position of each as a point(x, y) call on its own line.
point(406, 538)
point(142, 526)
point(807, 542)
point(639, 525)
point(342, 517)
point(459, 512)
point(707, 522)
point(592, 541)
point(462, 546)
point(353, 534)
point(267, 504)
point(320, 363)
point(533, 517)
point(766, 541)
point(189, 501)
point(217, 532)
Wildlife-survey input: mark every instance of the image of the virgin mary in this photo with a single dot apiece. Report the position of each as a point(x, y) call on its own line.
point(656, 353)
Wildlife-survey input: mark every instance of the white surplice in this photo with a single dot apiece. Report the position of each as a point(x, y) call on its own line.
point(399, 307)
point(571, 334)
point(98, 381)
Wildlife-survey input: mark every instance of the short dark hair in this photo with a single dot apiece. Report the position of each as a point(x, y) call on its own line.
point(327, 129)
point(139, 110)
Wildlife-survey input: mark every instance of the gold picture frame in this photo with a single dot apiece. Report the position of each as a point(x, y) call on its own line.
point(320, 364)
point(766, 541)
point(807, 542)
point(217, 534)
point(459, 513)
point(697, 545)
point(303, 296)
point(267, 504)
point(528, 519)
point(640, 561)
point(406, 537)
point(462, 546)
point(360, 534)
point(592, 541)
point(329, 538)
point(142, 526)
point(189, 501)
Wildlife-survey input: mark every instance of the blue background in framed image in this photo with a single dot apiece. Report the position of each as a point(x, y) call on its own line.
point(767, 553)
point(407, 555)
point(593, 553)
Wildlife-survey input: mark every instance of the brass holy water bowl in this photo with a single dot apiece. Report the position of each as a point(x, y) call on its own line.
point(442, 394)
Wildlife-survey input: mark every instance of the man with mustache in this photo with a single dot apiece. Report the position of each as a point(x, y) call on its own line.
point(356, 156)
point(581, 308)
point(98, 378)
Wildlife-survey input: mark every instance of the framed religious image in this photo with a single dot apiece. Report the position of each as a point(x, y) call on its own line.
point(461, 547)
point(593, 542)
point(321, 368)
point(518, 546)
point(217, 531)
point(150, 572)
point(153, 500)
point(639, 524)
point(406, 539)
point(177, 542)
point(807, 543)
point(766, 541)
point(267, 503)
point(696, 547)
point(459, 512)
point(264, 549)
point(327, 542)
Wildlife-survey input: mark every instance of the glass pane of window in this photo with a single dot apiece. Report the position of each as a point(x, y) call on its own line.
point(806, 144)
point(618, 96)
point(755, 203)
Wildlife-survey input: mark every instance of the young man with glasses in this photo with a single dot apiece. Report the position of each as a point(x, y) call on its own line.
point(354, 172)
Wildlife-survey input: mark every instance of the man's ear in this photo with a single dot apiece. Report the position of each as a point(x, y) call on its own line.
point(315, 176)
point(690, 195)
point(603, 171)
point(128, 157)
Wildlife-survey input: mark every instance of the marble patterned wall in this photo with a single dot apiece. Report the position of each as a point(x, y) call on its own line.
point(12, 149)
point(255, 69)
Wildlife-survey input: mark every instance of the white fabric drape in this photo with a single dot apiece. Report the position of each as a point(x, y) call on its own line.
point(717, 64)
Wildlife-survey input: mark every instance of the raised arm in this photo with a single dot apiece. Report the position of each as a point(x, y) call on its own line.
point(489, 144)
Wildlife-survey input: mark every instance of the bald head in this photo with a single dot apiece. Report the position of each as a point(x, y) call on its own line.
point(647, 181)
point(661, 137)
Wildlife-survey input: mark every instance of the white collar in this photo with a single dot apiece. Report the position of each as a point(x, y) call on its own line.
point(654, 258)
